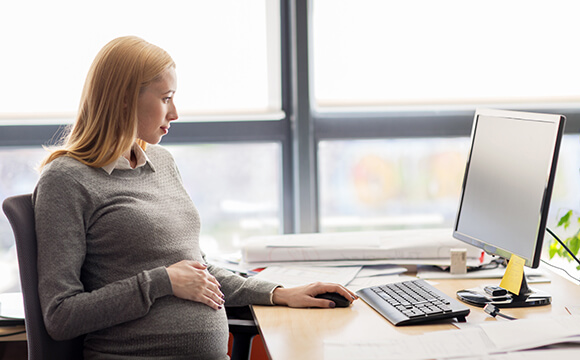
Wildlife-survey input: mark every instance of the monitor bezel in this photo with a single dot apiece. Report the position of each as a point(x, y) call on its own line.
point(493, 249)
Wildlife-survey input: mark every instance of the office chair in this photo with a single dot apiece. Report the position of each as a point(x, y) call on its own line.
point(20, 214)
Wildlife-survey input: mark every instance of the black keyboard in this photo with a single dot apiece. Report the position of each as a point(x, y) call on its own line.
point(412, 302)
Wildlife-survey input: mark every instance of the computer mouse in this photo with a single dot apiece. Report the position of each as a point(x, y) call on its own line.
point(338, 299)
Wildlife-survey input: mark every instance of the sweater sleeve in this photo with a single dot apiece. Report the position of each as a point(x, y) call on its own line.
point(63, 210)
point(240, 291)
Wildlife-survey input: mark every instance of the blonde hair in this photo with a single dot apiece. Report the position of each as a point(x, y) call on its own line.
point(106, 123)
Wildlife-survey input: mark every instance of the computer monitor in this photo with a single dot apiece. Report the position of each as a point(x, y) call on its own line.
point(506, 192)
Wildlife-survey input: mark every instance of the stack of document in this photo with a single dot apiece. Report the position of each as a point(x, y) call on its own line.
point(425, 246)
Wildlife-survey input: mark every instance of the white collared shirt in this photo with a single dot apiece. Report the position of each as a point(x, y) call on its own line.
point(123, 163)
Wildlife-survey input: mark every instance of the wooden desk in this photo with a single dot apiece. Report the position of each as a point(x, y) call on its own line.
point(21, 336)
point(13, 347)
point(299, 333)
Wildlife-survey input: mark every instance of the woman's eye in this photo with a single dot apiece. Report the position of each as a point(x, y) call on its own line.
point(166, 99)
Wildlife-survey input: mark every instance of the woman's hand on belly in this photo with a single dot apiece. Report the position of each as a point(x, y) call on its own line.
point(190, 280)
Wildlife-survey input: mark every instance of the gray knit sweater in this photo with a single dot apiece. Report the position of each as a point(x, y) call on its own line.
point(104, 242)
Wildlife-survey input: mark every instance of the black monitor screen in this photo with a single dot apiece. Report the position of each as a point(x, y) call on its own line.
point(508, 182)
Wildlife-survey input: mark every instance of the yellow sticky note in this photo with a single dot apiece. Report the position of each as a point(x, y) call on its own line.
point(512, 279)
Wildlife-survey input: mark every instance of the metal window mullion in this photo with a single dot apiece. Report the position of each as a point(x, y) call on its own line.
point(303, 146)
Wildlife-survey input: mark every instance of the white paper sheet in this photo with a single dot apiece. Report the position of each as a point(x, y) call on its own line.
point(435, 345)
point(571, 353)
point(533, 332)
point(380, 270)
point(301, 275)
point(479, 342)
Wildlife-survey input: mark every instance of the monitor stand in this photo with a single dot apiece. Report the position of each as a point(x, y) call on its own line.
point(527, 297)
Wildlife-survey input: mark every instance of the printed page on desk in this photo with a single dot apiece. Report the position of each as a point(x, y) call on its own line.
point(289, 276)
point(367, 245)
point(476, 342)
point(532, 333)
point(435, 345)
point(541, 354)
point(295, 275)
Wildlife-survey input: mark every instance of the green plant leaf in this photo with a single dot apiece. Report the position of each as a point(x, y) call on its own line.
point(565, 220)
point(553, 249)
point(574, 244)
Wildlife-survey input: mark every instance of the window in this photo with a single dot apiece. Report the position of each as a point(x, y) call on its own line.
point(390, 184)
point(412, 183)
point(236, 188)
point(450, 53)
point(227, 53)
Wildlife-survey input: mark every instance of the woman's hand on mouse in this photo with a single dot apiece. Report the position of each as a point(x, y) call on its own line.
point(304, 296)
point(190, 280)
